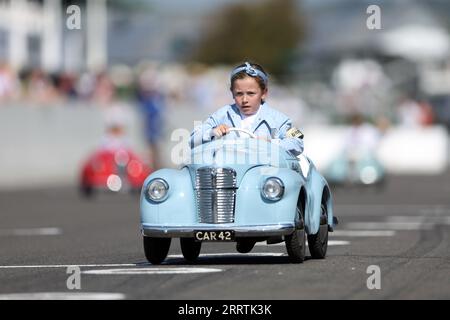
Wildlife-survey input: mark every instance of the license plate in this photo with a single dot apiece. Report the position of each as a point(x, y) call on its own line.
point(222, 235)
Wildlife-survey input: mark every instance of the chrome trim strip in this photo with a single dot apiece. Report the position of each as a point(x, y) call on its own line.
point(240, 231)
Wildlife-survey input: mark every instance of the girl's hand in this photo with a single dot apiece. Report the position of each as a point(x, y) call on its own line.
point(220, 130)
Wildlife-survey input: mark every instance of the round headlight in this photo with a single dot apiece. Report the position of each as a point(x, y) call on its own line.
point(273, 189)
point(157, 190)
point(368, 175)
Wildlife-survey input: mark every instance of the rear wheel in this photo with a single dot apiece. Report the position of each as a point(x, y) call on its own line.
point(318, 243)
point(190, 248)
point(295, 243)
point(156, 249)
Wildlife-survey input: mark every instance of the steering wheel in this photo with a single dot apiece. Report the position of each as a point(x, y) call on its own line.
point(244, 131)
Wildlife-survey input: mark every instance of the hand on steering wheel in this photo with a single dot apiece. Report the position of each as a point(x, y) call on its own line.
point(223, 129)
point(244, 131)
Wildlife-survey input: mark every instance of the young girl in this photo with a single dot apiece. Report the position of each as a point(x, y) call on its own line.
point(250, 111)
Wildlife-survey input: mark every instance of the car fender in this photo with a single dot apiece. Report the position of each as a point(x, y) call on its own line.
point(252, 208)
point(179, 206)
point(316, 184)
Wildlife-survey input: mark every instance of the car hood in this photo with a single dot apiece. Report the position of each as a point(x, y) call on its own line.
point(238, 154)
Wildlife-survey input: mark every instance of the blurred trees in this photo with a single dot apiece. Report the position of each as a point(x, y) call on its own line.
point(130, 6)
point(267, 32)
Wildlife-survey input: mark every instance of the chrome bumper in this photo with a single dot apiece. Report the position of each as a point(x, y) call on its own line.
point(239, 231)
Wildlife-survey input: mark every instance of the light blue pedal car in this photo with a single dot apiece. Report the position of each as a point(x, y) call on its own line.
point(356, 168)
point(241, 190)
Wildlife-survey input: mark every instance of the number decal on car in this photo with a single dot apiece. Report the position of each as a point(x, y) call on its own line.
point(225, 235)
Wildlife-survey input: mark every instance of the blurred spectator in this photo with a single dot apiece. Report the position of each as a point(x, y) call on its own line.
point(39, 88)
point(362, 137)
point(152, 106)
point(8, 83)
point(85, 86)
point(117, 120)
point(382, 123)
point(412, 113)
point(66, 85)
point(359, 84)
point(122, 78)
point(427, 114)
point(104, 91)
point(200, 91)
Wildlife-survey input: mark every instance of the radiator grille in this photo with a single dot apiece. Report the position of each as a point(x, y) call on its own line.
point(216, 194)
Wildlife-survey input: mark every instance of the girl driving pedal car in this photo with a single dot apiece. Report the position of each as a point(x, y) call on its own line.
point(249, 87)
point(250, 112)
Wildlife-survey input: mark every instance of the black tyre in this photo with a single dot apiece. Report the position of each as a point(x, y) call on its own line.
point(156, 249)
point(318, 243)
point(135, 191)
point(190, 248)
point(86, 191)
point(295, 243)
point(245, 245)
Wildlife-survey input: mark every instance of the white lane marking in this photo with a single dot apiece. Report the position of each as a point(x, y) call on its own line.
point(63, 296)
point(338, 243)
point(393, 206)
point(32, 232)
point(415, 219)
point(362, 233)
point(177, 270)
point(401, 223)
point(390, 225)
point(419, 219)
point(330, 243)
point(405, 209)
point(118, 265)
point(73, 265)
point(264, 244)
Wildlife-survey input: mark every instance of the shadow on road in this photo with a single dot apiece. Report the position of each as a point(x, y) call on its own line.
point(226, 260)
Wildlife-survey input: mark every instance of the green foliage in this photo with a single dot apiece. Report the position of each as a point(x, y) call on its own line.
point(266, 32)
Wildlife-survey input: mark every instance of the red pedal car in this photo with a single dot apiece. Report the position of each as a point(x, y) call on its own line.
point(115, 170)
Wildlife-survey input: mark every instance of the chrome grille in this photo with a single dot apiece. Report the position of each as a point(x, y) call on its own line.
point(216, 194)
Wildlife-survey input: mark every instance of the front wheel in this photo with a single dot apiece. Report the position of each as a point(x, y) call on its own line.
point(190, 248)
point(156, 249)
point(86, 191)
point(318, 242)
point(295, 242)
point(245, 245)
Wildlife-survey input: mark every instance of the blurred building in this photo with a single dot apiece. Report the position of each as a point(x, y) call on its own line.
point(408, 56)
point(34, 34)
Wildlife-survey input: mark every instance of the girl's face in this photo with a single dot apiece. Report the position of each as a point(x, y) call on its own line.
point(248, 95)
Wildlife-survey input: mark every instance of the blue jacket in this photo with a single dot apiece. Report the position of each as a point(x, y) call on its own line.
point(269, 123)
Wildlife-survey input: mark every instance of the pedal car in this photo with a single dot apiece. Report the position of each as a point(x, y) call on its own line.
point(357, 163)
point(241, 190)
point(113, 170)
point(356, 168)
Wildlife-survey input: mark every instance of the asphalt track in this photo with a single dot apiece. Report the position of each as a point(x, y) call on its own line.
point(403, 229)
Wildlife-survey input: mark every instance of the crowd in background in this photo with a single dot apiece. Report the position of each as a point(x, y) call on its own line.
point(353, 88)
point(166, 95)
point(37, 88)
